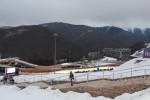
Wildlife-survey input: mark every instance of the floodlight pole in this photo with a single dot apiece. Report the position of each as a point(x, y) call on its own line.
point(55, 35)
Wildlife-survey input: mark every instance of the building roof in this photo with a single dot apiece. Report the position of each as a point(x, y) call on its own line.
point(6, 66)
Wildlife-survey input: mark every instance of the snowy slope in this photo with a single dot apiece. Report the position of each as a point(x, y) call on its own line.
point(136, 62)
point(138, 53)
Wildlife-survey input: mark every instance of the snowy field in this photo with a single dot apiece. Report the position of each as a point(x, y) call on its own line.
point(35, 93)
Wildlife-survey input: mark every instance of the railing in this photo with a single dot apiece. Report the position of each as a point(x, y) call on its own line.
point(86, 77)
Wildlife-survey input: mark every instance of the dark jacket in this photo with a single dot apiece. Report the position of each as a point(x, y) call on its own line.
point(71, 75)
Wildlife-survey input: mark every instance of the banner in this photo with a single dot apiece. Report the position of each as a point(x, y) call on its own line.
point(146, 53)
point(10, 71)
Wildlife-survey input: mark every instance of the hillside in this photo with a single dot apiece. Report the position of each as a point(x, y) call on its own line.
point(35, 43)
point(97, 38)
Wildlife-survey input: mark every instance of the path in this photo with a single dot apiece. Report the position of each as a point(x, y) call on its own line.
point(97, 83)
point(109, 83)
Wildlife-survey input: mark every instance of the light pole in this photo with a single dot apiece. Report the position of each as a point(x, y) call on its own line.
point(69, 55)
point(55, 35)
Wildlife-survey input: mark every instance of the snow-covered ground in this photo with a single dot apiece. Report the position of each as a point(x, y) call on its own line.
point(138, 53)
point(138, 66)
point(103, 61)
point(108, 59)
point(35, 93)
point(134, 67)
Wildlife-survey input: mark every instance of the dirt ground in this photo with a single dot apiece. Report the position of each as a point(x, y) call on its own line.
point(110, 92)
point(107, 88)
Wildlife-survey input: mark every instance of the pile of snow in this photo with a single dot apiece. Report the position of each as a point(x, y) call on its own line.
point(133, 67)
point(147, 45)
point(65, 64)
point(108, 59)
point(138, 53)
point(136, 62)
point(102, 62)
point(1, 77)
point(35, 93)
point(98, 63)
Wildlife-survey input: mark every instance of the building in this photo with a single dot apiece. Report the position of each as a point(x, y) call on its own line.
point(147, 45)
point(119, 53)
point(94, 55)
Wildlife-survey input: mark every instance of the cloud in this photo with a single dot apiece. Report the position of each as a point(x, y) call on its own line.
point(123, 13)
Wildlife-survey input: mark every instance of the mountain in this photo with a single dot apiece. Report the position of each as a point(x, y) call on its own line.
point(147, 32)
point(35, 43)
point(95, 38)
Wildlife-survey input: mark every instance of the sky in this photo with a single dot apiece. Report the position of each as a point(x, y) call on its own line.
point(121, 13)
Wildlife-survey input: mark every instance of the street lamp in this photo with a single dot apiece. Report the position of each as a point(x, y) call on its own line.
point(55, 35)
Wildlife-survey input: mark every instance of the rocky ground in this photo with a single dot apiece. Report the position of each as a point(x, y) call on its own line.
point(110, 92)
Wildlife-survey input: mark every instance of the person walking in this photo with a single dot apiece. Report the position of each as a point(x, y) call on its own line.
point(4, 79)
point(12, 81)
point(71, 78)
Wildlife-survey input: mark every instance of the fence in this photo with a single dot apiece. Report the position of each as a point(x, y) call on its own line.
point(86, 77)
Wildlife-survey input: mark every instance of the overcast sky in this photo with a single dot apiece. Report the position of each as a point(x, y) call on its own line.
point(121, 13)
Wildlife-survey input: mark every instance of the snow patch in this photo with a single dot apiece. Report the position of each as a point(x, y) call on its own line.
point(108, 59)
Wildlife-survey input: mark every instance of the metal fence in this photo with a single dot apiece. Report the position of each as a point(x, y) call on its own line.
point(89, 76)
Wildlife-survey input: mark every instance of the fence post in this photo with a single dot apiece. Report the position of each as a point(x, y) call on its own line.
point(99, 81)
point(120, 75)
point(103, 74)
point(113, 75)
point(145, 72)
point(87, 78)
point(58, 81)
point(41, 78)
point(34, 79)
point(51, 82)
point(75, 80)
point(131, 72)
point(21, 80)
point(25, 79)
point(25, 82)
